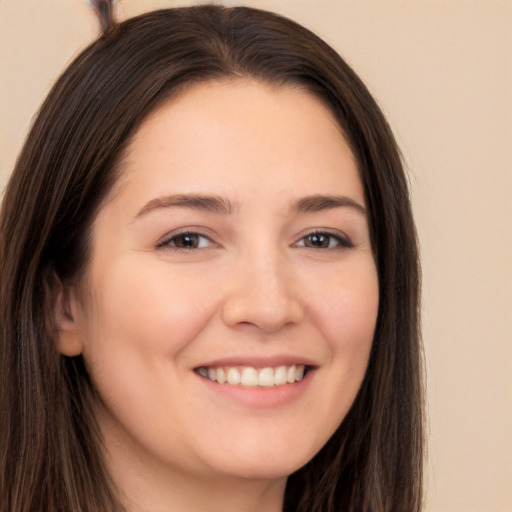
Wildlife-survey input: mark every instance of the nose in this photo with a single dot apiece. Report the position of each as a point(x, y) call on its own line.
point(263, 293)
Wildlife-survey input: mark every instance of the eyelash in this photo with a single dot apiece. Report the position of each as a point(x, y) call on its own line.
point(341, 242)
point(168, 241)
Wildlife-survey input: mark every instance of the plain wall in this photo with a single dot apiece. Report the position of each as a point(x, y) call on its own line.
point(442, 72)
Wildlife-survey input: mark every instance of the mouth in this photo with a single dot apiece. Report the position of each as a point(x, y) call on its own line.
point(251, 377)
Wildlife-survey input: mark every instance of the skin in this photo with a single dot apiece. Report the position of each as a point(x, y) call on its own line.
point(256, 287)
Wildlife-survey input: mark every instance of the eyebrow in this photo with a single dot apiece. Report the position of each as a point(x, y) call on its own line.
point(317, 203)
point(207, 203)
point(221, 205)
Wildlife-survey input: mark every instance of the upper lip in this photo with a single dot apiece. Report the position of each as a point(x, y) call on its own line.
point(259, 361)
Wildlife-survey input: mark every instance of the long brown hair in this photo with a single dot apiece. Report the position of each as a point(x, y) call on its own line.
point(50, 449)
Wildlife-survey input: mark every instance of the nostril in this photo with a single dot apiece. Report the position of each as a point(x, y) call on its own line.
point(269, 314)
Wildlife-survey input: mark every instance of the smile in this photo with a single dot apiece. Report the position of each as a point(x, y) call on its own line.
point(249, 376)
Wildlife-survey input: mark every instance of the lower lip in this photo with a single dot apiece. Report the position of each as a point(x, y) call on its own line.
point(260, 397)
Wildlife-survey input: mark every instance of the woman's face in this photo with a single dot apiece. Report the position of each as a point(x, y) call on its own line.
point(234, 246)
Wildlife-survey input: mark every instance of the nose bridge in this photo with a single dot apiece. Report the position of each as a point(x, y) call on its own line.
point(263, 292)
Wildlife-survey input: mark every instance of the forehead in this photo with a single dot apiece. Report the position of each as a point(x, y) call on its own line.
point(241, 134)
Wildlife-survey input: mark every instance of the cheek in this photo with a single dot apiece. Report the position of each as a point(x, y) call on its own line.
point(347, 313)
point(148, 307)
point(142, 319)
point(347, 309)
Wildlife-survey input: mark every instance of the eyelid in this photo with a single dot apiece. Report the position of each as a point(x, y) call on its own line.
point(165, 241)
point(344, 241)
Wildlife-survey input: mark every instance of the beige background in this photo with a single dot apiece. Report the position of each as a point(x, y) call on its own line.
point(442, 71)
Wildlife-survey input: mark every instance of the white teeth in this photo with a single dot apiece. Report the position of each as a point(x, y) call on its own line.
point(221, 376)
point(251, 377)
point(291, 374)
point(233, 376)
point(280, 376)
point(266, 377)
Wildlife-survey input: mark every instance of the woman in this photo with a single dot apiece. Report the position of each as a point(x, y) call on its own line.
point(209, 280)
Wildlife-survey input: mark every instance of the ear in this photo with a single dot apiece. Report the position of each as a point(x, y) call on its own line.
point(65, 310)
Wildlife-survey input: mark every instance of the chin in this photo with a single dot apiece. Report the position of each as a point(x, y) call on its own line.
point(264, 464)
point(266, 470)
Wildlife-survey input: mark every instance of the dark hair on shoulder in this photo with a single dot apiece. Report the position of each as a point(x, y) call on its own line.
point(50, 447)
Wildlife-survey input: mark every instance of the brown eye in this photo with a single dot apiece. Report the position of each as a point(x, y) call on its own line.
point(317, 241)
point(321, 240)
point(186, 241)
